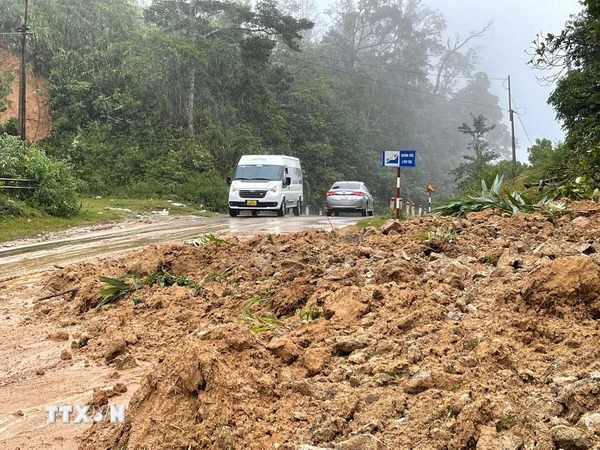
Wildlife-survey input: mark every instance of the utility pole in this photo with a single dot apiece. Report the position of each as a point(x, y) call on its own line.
point(512, 131)
point(23, 31)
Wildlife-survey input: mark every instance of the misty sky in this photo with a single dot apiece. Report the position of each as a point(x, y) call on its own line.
point(502, 52)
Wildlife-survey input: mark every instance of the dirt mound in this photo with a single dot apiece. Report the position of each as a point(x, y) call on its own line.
point(566, 284)
point(37, 105)
point(436, 333)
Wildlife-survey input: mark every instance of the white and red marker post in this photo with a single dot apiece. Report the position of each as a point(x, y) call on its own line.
point(430, 190)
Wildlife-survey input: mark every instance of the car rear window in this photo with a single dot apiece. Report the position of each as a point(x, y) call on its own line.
point(346, 186)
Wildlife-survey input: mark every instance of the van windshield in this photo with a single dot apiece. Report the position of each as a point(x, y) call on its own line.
point(259, 172)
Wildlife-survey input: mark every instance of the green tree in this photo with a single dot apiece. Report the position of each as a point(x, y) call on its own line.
point(195, 23)
point(548, 162)
point(573, 56)
point(6, 79)
point(471, 171)
point(540, 152)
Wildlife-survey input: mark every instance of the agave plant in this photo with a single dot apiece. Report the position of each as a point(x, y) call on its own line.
point(494, 198)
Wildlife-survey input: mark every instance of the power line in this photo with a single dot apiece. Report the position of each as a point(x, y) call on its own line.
point(521, 122)
point(396, 85)
point(391, 69)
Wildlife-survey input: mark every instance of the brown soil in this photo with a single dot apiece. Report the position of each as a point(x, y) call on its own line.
point(436, 333)
point(37, 108)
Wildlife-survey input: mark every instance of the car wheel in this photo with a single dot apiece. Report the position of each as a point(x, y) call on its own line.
point(233, 212)
point(283, 210)
point(329, 212)
point(298, 208)
point(363, 213)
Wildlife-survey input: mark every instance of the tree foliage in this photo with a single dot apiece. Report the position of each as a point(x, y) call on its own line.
point(163, 99)
point(481, 157)
point(56, 191)
point(6, 79)
point(574, 57)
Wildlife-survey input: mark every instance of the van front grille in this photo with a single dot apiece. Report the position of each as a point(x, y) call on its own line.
point(253, 194)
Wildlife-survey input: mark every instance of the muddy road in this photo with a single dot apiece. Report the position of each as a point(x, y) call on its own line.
point(34, 371)
point(76, 244)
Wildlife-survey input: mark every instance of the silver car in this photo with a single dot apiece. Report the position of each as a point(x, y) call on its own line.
point(349, 196)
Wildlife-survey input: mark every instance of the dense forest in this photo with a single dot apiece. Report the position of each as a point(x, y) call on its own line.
point(160, 98)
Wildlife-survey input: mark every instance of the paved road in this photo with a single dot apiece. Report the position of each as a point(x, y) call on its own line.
point(19, 258)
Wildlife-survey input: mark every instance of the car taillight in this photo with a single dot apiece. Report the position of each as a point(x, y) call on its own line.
point(332, 193)
point(358, 193)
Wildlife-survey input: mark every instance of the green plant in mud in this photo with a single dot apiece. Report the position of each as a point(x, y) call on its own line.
point(116, 288)
point(259, 324)
point(490, 259)
point(163, 277)
point(505, 422)
point(199, 241)
point(426, 235)
point(311, 312)
point(216, 276)
point(255, 299)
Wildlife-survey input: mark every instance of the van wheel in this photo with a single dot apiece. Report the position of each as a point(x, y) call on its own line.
point(283, 210)
point(298, 208)
point(370, 213)
point(233, 212)
point(329, 212)
point(363, 213)
point(255, 213)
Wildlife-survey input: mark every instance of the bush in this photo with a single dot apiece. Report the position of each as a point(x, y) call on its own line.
point(56, 193)
point(10, 127)
point(9, 207)
point(207, 189)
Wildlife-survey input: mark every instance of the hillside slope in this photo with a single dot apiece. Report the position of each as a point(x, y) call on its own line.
point(37, 107)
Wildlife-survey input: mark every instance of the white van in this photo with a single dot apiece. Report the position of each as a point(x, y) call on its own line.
point(266, 183)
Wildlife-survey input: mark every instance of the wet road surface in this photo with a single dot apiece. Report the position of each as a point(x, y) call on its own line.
point(19, 258)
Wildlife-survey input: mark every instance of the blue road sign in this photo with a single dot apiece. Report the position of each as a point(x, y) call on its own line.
point(398, 158)
point(408, 158)
point(390, 158)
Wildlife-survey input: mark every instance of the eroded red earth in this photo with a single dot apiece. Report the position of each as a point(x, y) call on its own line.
point(436, 333)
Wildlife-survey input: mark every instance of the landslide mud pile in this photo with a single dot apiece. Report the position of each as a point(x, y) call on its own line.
point(436, 333)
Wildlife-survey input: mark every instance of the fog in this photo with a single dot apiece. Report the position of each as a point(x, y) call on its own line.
point(503, 51)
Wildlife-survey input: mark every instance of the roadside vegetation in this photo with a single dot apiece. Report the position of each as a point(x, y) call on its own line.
point(91, 211)
point(170, 117)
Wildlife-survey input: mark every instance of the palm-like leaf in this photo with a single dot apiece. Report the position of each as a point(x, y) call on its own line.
point(494, 198)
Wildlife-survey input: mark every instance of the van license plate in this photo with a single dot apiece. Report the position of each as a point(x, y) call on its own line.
point(251, 203)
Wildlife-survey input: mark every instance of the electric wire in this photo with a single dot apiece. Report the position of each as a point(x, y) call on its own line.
point(404, 71)
point(385, 83)
point(521, 121)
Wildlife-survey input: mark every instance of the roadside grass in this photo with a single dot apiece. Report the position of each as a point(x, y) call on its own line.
point(375, 221)
point(93, 211)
